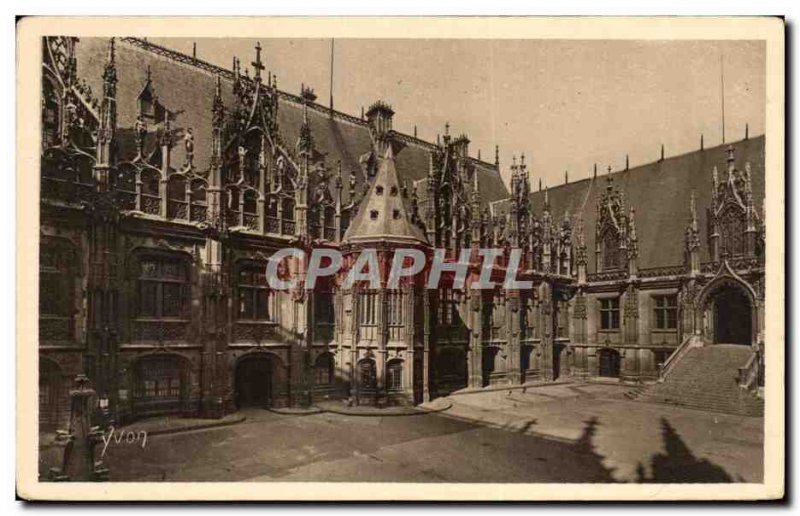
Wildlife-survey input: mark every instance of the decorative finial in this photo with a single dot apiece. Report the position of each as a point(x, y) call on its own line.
point(194, 50)
point(566, 177)
point(447, 128)
point(111, 52)
point(415, 130)
point(662, 152)
point(595, 170)
point(702, 146)
point(627, 162)
point(257, 65)
point(497, 156)
point(746, 131)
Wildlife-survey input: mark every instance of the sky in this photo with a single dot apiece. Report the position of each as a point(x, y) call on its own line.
point(565, 104)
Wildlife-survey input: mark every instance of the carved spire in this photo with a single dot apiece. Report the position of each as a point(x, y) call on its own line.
point(305, 142)
point(108, 117)
point(497, 157)
point(218, 107)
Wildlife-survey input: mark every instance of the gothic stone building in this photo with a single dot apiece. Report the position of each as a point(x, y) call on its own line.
point(168, 182)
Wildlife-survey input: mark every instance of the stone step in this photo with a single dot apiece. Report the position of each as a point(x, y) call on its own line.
point(706, 378)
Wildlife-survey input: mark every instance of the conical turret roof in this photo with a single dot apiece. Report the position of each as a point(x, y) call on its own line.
point(382, 215)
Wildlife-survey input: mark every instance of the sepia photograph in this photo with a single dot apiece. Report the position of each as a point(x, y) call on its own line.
point(478, 258)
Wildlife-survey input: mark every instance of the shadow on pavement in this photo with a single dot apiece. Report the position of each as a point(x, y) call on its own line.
point(678, 464)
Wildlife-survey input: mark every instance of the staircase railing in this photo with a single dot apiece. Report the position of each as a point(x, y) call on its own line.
point(748, 375)
point(692, 341)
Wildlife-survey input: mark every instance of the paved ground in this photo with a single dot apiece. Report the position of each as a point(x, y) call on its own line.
point(561, 433)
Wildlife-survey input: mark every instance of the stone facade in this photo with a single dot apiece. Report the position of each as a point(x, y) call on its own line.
point(162, 202)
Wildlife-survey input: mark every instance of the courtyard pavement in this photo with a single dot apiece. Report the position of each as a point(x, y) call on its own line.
point(560, 433)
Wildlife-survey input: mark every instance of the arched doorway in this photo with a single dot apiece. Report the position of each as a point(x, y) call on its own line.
point(609, 361)
point(450, 369)
point(254, 380)
point(732, 315)
point(727, 309)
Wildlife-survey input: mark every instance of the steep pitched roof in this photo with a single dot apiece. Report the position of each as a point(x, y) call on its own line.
point(185, 86)
point(660, 193)
point(382, 214)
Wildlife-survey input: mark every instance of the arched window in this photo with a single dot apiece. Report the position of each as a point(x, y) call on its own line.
point(610, 250)
point(732, 226)
point(394, 375)
point(198, 191)
point(323, 369)
point(150, 180)
point(367, 377)
point(250, 201)
point(176, 189)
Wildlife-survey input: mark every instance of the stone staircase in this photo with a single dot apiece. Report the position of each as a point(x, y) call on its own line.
point(706, 378)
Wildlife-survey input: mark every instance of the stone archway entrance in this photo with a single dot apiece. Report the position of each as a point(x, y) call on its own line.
point(254, 381)
point(732, 316)
point(728, 310)
point(609, 363)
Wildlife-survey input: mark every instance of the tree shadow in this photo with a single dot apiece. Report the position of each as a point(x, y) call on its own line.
point(678, 465)
point(592, 463)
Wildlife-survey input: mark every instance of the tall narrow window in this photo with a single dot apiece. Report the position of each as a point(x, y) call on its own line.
point(395, 307)
point(609, 314)
point(324, 309)
point(666, 312)
point(610, 251)
point(256, 301)
point(56, 290)
point(367, 377)
point(394, 375)
point(732, 232)
point(50, 120)
point(163, 287)
point(448, 307)
point(368, 307)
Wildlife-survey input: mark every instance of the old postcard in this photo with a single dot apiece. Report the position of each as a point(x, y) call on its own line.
point(400, 259)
